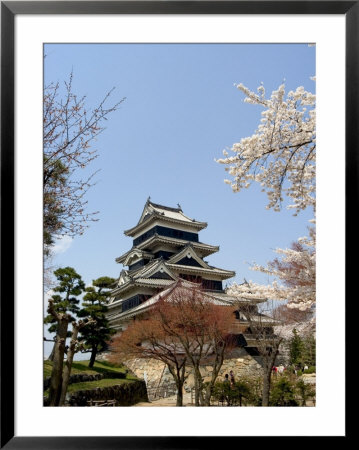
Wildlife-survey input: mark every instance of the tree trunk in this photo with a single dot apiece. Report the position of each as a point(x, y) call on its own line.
point(179, 400)
point(56, 373)
point(216, 368)
point(68, 363)
point(198, 386)
point(52, 354)
point(196, 391)
point(179, 377)
point(266, 386)
point(93, 356)
point(268, 366)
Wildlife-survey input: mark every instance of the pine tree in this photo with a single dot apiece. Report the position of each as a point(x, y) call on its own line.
point(96, 335)
point(309, 350)
point(296, 348)
point(70, 285)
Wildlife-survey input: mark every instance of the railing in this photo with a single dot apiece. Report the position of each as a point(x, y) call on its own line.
point(164, 391)
point(102, 403)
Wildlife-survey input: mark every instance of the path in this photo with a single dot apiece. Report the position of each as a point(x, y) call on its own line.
point(169, 401)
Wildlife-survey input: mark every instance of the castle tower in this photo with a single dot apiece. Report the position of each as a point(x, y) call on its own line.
point(166, 249)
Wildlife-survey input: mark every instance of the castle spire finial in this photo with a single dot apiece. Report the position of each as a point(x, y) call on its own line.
point(149, 198)
point(179, 206)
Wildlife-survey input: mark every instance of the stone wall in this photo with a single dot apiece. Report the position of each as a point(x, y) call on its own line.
point(160, 382)
point(126, 394)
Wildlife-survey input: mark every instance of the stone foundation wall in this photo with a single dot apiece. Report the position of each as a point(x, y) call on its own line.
point(160, 382)
point(126, 394)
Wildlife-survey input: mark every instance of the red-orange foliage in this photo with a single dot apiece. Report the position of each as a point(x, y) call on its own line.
point(184, 325)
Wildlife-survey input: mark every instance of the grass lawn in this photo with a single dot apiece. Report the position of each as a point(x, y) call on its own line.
point(95, 384)
point(82, 367)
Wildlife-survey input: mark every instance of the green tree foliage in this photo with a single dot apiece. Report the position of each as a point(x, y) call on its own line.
point(283, 393)
point(309, 350)
point(96, 335)
point(296, 349)
point(305, 391)
point(235, 395)
point(302, 350)
point(69, 287)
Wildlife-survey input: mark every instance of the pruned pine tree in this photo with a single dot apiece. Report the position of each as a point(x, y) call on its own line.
point(73, 348)
point(96, 335)
point(61, 370)
point(69, 287)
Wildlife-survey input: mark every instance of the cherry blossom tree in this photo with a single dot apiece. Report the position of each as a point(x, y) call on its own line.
point(295, 273)
point(69, 131)
point(280, 155)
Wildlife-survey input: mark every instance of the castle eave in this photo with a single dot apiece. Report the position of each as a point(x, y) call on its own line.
point(154, 211)
point(158, 217)
point(223, 274)
point(206, 249)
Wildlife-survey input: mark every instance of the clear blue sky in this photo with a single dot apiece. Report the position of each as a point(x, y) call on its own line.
point(181, 111)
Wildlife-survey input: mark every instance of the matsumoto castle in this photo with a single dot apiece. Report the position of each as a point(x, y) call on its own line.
point(166, 251)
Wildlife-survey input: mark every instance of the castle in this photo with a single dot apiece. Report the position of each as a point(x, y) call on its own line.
point(167, 253)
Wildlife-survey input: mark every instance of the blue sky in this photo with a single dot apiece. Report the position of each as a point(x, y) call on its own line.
point(181, 110)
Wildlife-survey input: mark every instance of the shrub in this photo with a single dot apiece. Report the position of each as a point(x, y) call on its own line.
point(310, 369)
point(222, 393)
point(305, 391)
point(237, 395)
point(283, 393)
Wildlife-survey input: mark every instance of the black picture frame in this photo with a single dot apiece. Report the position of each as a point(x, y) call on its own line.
point(9, 9)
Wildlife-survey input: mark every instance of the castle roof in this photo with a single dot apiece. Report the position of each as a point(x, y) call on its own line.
point(217, 299)
point(204, 249)
point(153, 211)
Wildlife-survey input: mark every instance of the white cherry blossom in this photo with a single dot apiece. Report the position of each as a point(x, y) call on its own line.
point(280, 155)
point(294, 274)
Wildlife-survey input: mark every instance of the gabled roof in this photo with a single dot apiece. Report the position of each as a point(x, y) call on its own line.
point(206, 248)
point(150, 269)
point(153, 211)
point(135, 251)
point(142, 277)
point(188, 252)
point(183, 284)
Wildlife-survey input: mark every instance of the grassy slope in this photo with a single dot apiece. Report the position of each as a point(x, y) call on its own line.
point(99, 367)
point(98, 384)
point(82, 367)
